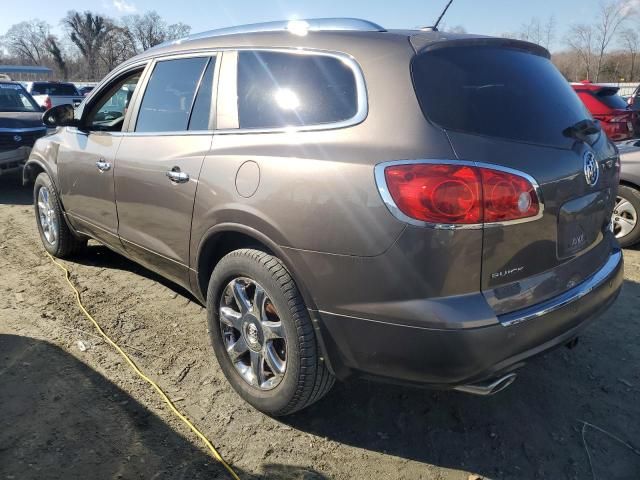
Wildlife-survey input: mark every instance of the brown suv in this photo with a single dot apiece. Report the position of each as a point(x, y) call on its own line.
point(346, 200)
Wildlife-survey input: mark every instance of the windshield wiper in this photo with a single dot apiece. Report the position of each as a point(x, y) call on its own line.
point(582, 129)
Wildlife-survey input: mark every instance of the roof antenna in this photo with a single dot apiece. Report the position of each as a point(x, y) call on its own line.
point(434, 28)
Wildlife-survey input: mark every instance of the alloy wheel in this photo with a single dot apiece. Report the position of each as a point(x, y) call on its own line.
point(253, 334)
point(47, 216)
point(624, 217)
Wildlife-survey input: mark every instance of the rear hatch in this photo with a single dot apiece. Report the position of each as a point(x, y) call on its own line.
point(502, 103)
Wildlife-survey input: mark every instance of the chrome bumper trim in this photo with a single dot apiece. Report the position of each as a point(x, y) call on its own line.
point(22, 130)
point(570, 296)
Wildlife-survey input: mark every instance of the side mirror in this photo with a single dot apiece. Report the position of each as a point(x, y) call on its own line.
point(60, 116)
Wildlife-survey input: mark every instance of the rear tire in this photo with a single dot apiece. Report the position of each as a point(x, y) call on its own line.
point(274, 319)
point(56, 236)
point(626, 226)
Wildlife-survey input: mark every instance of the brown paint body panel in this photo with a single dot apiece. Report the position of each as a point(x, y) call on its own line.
point(312, 199)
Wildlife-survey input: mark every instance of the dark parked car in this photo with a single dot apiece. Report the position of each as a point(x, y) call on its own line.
point(84, 91)
point(347, 200)
point(617, 119)
point(20, 126)
point(627, 208)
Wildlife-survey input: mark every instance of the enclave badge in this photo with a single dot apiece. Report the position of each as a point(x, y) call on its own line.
point(591, 168)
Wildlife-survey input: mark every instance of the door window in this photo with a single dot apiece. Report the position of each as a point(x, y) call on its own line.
point(201, 112)
point(110, 109)
point(168, 98)
point(277, 89)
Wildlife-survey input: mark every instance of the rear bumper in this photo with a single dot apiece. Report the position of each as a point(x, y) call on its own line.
point(450, 357)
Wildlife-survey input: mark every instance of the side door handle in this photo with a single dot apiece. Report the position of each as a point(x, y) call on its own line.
point(177, 176)
point(102, 165)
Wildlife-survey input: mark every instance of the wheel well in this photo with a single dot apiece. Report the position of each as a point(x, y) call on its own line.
point(216, 247)
point(31, 171)
point(629, 184)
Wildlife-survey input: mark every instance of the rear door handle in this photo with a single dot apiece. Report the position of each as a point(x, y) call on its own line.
point(102, 165)
point(177, 176)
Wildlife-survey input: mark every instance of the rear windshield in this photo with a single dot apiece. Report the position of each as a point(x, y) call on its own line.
point(611, 99)
point(54, 89)
point(497, 92)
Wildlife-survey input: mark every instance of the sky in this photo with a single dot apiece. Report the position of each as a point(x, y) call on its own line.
point(489, 17)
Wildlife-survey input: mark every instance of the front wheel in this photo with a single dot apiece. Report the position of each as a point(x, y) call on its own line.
point(625, 216)
point(262, 334)
point(55, 234)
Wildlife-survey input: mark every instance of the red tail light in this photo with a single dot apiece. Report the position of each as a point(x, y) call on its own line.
point(47, 102)
point(460, 194)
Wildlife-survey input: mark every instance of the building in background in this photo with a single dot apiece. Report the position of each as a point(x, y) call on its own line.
point(26, 73)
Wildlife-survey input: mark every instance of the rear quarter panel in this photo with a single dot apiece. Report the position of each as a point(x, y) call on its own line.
point(317, 189)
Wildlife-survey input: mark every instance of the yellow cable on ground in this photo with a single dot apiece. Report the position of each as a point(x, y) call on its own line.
point(135, 368)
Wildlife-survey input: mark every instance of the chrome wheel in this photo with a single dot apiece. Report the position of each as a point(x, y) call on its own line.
point(624, 217)
point(253, 334)
point(47, 215)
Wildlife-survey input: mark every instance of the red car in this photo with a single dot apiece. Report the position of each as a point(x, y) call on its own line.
point(604, 103)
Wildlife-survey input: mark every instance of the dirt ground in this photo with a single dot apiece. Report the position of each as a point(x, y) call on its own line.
point(72, 414)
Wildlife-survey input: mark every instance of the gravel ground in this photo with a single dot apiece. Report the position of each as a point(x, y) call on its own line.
point(75, 410)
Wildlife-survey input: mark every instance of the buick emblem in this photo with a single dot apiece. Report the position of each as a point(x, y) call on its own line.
point(252, 334)
point(591, 168)
point(17, 138)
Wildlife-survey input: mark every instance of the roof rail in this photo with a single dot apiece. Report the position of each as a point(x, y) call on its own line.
point(297, 27)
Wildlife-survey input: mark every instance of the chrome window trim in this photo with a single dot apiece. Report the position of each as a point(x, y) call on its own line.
point(361, 93)
point(381, 183)
point(22, 130)
point(596, 280)
point(176, 133)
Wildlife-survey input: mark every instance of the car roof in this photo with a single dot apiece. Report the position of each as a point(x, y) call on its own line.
point(355, 37)
point(331, 34)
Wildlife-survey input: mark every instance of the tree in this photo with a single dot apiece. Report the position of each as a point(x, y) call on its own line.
point(536, 31)
point(117, 47)
point(613, 13)
point(581, 39)
point(88, 31)
point(26, 40)
point(631, 43)
point(53, 48)
point(150, 29)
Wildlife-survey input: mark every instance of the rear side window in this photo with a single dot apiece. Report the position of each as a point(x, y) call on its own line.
point(496, 92)
point(169, 95)
point(277, 89)
point(54, 89)
point(202, 106)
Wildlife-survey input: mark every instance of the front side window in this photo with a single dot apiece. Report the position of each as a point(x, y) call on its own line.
point(110, 109)
point(168, 98)
point(278, 89)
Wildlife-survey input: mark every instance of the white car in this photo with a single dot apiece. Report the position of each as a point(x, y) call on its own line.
point(51, 94)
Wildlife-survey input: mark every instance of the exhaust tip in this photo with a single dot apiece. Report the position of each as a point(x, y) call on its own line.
point(489, 387)
point(503, 383)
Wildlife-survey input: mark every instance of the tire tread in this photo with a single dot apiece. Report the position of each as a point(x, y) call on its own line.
point(314, 380)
